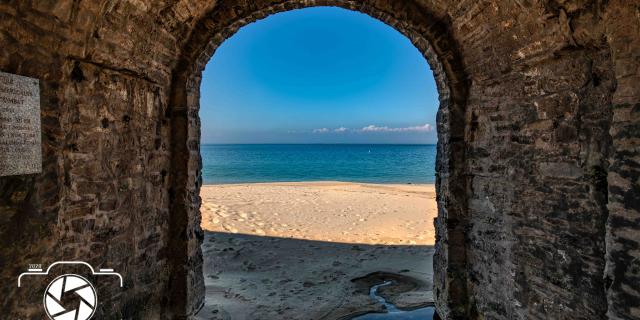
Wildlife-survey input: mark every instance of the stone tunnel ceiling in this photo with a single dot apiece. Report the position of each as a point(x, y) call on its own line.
point(538, 159)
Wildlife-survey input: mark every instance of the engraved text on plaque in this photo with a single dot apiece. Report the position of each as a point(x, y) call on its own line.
point(20, 151)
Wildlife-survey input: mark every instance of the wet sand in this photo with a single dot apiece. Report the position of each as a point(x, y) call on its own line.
point(280, 251)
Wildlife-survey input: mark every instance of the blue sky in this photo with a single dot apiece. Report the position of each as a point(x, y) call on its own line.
point(318, 75)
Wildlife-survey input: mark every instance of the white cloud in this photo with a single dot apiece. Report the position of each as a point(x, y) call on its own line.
point(372, 128)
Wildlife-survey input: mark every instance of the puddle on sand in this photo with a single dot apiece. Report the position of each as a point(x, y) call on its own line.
point(394, 313)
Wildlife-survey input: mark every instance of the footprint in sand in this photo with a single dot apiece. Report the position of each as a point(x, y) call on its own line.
point(230, 229)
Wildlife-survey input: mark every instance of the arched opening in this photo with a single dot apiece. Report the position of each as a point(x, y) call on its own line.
point(318, 155)
point(424, 31)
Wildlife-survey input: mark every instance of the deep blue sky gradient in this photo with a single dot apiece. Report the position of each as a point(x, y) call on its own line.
point(297, 76)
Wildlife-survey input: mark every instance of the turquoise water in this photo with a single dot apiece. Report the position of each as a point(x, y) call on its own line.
point(244, 163)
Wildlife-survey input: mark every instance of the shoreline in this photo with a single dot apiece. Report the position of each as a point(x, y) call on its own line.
point(320, 182)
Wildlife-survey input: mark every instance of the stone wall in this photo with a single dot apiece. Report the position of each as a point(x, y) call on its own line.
point(622, 272)
point(103, 196)
point(540, 111)
point(538, 164)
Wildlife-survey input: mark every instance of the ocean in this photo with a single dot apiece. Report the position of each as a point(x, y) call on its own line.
point(377, 163)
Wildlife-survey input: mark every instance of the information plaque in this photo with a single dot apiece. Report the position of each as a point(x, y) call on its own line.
point(20, 149)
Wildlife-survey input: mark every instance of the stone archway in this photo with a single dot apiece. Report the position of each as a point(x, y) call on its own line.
point(538, 173)
point(429, 34)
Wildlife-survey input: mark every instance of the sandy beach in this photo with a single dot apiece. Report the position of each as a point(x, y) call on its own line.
point(323, 211)
point(312, 250)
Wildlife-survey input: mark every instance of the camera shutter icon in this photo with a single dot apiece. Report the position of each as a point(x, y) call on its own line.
point(78, 294)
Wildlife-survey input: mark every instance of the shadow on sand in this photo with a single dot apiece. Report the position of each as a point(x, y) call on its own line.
point(259, 277)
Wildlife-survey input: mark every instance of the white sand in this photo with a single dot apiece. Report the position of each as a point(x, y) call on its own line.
point(324, 211)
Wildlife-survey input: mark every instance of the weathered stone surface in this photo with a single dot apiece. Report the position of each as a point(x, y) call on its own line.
point(622, 272)
point(538, 164)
